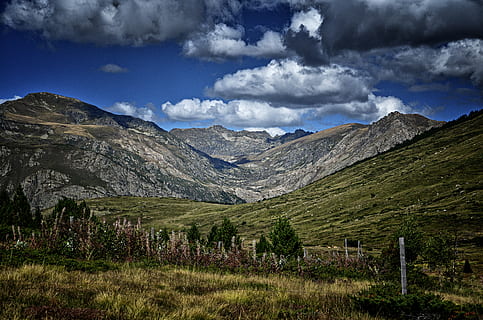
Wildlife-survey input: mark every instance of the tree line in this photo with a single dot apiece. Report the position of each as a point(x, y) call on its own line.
point(15, 210)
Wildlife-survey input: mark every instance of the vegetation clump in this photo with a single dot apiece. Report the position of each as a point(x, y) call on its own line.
point(72, 237)
point(386, 300)
point(284, 239)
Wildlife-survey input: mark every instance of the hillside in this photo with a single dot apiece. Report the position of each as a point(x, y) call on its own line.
point(297, 163)
point(56, 146)
point(437, 179)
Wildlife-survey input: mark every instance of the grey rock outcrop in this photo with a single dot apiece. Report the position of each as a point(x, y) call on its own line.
point(233, 146)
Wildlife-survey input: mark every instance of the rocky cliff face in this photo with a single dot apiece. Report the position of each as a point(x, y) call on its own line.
point(305, 160)
point(56, 146)
point(232, 146)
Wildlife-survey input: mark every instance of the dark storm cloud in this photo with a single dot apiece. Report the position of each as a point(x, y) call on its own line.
point(460, 59)
point(411, 65)
point(308, 48)
point(114, 22)
point(369, 24)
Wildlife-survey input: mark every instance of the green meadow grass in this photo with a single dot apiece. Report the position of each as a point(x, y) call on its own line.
point(48, 292)
point(437, 180)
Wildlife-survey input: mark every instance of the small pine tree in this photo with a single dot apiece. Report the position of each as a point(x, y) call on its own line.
point(78, 211)
point(284, 239)
point(193, 234)
point(213, 235)
point(163, 235)
point(467, 267)
point(21, 209)
point(413, 239)
point(226, 233)
point(6, 210)
point(263, 245)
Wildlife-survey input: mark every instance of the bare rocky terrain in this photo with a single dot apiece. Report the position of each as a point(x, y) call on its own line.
point(56, 146)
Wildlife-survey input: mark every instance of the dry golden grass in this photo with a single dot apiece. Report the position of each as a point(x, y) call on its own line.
point(48, 292)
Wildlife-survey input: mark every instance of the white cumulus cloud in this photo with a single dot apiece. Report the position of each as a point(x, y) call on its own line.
point(271, 131)
point(310, 20)
point(290, 83)
point(237, 113)
point(112, 68)
point(227, 42)
point(129, 109)
point(9, 99)
point(373, 109)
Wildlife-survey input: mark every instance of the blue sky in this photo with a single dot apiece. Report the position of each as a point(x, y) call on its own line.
point(276, 64)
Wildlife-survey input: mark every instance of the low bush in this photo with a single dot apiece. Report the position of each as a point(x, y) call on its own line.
point(386, 300)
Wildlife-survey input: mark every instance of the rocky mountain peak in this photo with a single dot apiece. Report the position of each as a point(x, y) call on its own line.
point(220, 142)
point(57, 146)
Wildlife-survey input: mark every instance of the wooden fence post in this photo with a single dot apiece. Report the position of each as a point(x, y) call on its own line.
point(254, 247)
point(346, 251)
point(359, 249)
point(402, 255)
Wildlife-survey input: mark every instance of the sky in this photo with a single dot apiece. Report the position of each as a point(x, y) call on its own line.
point(274, 65)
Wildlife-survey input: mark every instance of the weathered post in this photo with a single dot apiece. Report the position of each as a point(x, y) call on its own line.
point(346, 251)
point(254, 246)
point(359, 249)
point(402, 255)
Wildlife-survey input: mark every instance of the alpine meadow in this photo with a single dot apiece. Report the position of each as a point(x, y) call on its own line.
point(233, 159)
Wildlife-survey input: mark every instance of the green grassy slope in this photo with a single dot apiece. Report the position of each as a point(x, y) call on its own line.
point(437, 179)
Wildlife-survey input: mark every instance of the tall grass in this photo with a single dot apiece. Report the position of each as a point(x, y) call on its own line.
point(88, 239)
point(44, 292)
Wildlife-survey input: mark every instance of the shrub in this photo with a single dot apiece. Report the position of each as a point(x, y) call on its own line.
point(439, 251)
point(263, 245)
point(386, 300)
point(225, 233)
point(193, 234)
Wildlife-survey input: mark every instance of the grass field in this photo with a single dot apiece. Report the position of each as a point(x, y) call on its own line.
point(49, 292)
point(437, 179)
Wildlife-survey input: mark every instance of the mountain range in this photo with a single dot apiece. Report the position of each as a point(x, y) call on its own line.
point(55, 146)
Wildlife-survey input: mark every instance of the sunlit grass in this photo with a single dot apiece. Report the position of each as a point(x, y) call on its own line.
point(170, 293)
point(437, 180)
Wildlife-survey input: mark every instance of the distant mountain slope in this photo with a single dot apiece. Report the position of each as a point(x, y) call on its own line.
point(56, 146)
point(437, 179)
point(297, 163)
point(230, 145)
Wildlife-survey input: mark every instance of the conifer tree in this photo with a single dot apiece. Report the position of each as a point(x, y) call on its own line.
point(284, 239)
point(213, 235)
point(263, 245)
point(71, 208)
point(38, 218)
point(226, 233)
point(6, 212)
point(21, 209)
point(193, 234)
